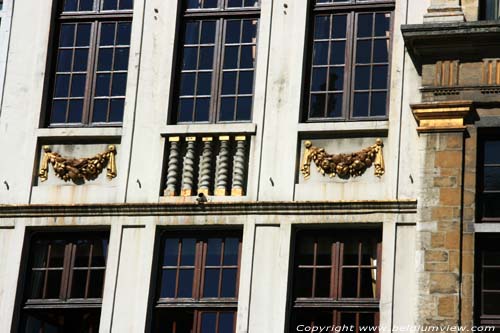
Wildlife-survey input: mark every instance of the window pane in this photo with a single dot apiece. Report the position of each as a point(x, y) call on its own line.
point(100, 110)
point(86, 5)
point(105, 59)
point(305, 251)
point(208, 322)
point(339, 26)
point(349, 282)
point(226, 322)
point(191, 33)
point(78, 284)
point(491, 278)
point(317, 105)
point(365, 25)
point(324, 251)
point(379, 104)
point(185, 283)
point(245, 85)
point(211, 283)
point(185, 112)
point(231, 57)
point(303, 282)
point(363, 51)
point(320, 53)
point(204, 83)
point(96, 283)
point(36, 285)
point(121, 59)
point(337, 56)
point(83, 35)
point(82, 254)
point(368, 283)
point(53, 284)
point(208, 32)
point(229, 282)
point(379, 77)
point(206, 57)
point(107, 34)
point(116, 110)
point(123, 34)
point(492, 152)
point(318, 79)
point(188, 251)
point(75, 111)
point(336, 78)
point(100, 253)
point(78, 85)
point(322, 27)
point(233, 31)
point(491, 304)
point(229, 83)
point(244, 108)
point(202, 109)
point(491, 208)
point(231, 248)
point(67, 35)
point(227, 109)
point(168, 283)
point(214, 248)
point(126, 4)
point(119, 84)
point(171, 252)
point(334, 105)
point(110, 4)
point(58, 114)
point(40, 249)
point(70, 5)
point(322, 283)
point(64, 60)
point(62, 86)
point(81, 60)
point(103, 85)
point(381, 50)
point(382, 24)
point(249, 31)
point(360, 105)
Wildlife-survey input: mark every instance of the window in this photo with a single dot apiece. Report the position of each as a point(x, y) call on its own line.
point(349, 60)
point(91, 62)
point(217, 61)
point(488, 183)
point(488, 9)
point(336, 278)
point(488, 280)
point(198, 282)
point(64, 282)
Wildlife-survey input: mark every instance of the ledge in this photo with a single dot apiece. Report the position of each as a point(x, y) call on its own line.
point(79, 132)
point(237, 128)
point(188, 209)
point(376, 127)
point(429, 42)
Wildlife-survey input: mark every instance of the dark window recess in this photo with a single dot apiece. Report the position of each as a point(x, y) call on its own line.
point(198, 282)
point(336, 278)
point(64, 282)
point(90, 62)
point(487, 280)
point(217, 61)
point(488, 9)
point(349, 60)
point(488, 180)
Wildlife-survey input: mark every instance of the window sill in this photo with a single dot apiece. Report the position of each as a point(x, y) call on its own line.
point(378, 126)
point(226, 128)
point(79, 132)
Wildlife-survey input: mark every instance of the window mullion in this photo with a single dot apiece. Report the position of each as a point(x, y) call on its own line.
point(67, 270)
point(91, 73)
point(350, 67)
point(217, 74)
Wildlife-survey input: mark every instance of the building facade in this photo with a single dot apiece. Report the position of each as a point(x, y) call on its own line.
point(249, 165)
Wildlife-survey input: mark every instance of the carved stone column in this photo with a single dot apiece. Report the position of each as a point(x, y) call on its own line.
point(173, 167)
point(206, 166)
point(239, 167)
point(188, 167)
point(444, 11)
point(223, 167)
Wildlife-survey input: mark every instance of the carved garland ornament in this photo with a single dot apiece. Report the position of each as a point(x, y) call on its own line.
point(79, 169)
point(343, 165)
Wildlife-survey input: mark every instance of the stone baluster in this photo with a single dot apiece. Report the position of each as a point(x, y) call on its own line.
point(222, 167)
point(188, 167)
point(173, 167)
point(206, 166)
point(239, 167)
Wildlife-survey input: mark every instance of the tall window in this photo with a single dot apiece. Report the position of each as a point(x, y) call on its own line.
point(64, 282)
point(488, 280)
point(349, 60)
point(198, 282)
point(91, 62)
point(489, 9)
point(336, 278)
point(488, 183)
point(217, 61)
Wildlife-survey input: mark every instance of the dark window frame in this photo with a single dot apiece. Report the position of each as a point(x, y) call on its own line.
point(351, 8)
point(335, 304)
point(96, 17)
point(221, 15)
point(194, 307)
point(484, 135)
point(485, 7)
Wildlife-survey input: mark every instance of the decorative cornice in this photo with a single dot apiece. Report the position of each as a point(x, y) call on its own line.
point(212, 208)
point(441, 116)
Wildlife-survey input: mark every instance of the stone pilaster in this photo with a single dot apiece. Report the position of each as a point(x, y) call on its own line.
point(441, 11)
point(440, 238)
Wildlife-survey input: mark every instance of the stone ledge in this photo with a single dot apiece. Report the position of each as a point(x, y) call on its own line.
point(212, 208)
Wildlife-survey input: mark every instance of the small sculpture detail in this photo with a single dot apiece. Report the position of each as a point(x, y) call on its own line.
point(343, 165)
point(79, 169)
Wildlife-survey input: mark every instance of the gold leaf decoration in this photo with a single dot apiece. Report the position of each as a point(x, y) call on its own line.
point(78, 169)
point(343, 165)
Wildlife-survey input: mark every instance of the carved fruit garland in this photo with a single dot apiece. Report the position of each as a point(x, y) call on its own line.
point(343, 165)
point(79, 169)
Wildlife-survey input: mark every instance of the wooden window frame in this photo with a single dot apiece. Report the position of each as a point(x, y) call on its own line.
point(351, 8)
point(335, 302)
point(197, 304)
point(221, 15)
point(95, 18)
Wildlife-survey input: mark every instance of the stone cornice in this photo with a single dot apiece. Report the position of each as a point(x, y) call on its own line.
point(427, 43)
point(441, 116)
point(189, 209)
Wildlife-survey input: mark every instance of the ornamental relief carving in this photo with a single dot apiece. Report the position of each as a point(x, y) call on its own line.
point(344, 166)
point(78, 170)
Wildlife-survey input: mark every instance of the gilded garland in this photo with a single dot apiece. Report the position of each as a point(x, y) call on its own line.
point(343, 165)
point(79, 169)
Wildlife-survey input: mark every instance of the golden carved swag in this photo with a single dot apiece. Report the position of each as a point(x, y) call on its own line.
point(78, 169)
point(343, 165)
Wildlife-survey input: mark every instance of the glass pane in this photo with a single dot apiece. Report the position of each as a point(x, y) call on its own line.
point(491, 303)
point(379, 104)
point(492, 152)
point(348, 318)
point(86, 5)
point(211, 283)
point(229, 282)
point(318, 82)
point(202, 109)
point(382, 24)
point(368, 283)
point(339, 26)
point(39, 254)
point(81, 60)
point(190, 58)
point(244, 108)
point(191, 33)
point(229, 83)
point(360, 105)
point(110, 4)
point(247, 57)
point(78, 85)
point(491, 208)
point(366, 319)
point(214, 248)
point(322, 27)
point(53, 284)
point(209, 3)
point(305, 251)
point(349, 282)
point(185, 283)
point(249, 31)
point(171, 251)
point(303, 282)
point(105, 59)
point(351, 253)
point(204, 83)
point(208, 32)
point(107, 34)
point(233, 31)
point(381, 50)
point(227, 109)
point(64, 60)
point(491, 258)
point(188, 251)
point(96, 283)
point(57, 254)
point(67, 35)
point(78, 283)
point(322, 282)
point(379, 78)
point(99, 253)
point(363, 51)
point(334, 105)
point(83, 35)
point(126, 4)
point(36, 286)
point(119, 84)
point(491, 278)
point(492, 178)
point(226, 322)
point(82, 254)
point(337, 56)
point(103, 85)
point(187, 84)
point(317, 105)
point(185, 112)
point(62, 86)
point(100, 110)
point(75, 111)
point(168, 283)
point(245, 85)
point(231, 247)
point(336, 78)
point(70, 5)
point(320, 53)
point(231, 57)
point(206, 57)
point(116, 109)
point(58, 114)
point(234, 3)
point(208, 322)
point(121, 59)
point(324, 251)
point(365, 24)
